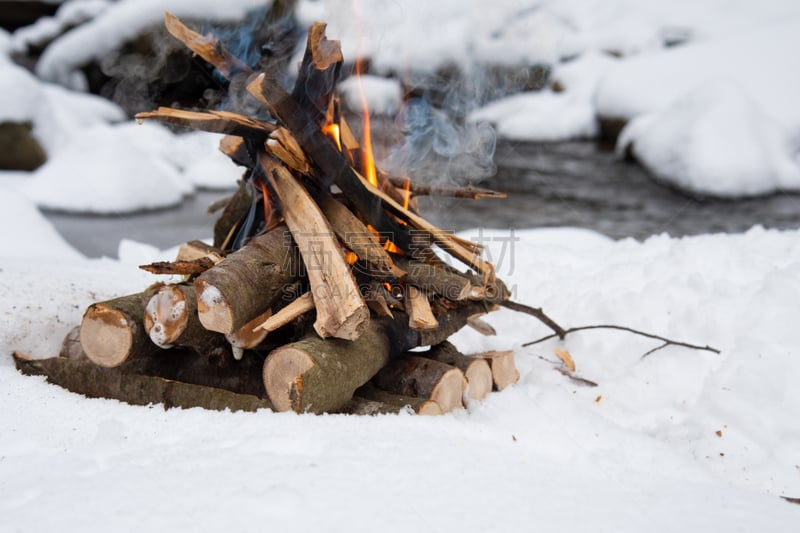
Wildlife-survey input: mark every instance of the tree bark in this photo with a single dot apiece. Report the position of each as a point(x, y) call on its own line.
point(113, 331)
point(247, 282)
point(369, 400)
point(412, 375)
point(84, 377)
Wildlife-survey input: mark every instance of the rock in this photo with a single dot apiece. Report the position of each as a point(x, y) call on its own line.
point(19, 149)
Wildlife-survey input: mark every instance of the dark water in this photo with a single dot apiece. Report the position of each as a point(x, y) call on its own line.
point(564, 184)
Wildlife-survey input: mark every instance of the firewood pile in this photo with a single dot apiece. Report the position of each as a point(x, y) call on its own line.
point(321, 278)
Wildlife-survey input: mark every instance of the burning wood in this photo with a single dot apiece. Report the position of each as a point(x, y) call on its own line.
point(322, 272)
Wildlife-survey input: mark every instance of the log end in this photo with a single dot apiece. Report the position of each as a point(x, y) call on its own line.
point(449, 391)
point(166, 316)
point(106, 335)
point(213, 309)
point(479, 380)
point(430, 408)
point(282, 371)
point(504, 368)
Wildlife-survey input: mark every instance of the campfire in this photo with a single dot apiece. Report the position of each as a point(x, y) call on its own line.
point(321, 277)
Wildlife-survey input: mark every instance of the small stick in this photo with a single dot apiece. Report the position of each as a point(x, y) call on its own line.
point(424, 189)
point(298, 307)
point(419, 311)
point(666, 341)
point(538, 313)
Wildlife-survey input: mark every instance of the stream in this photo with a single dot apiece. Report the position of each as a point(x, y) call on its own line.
point(573, 184)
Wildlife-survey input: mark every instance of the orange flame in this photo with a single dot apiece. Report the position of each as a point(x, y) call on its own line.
point(350, 257)
point(267, 206)
point(367, 158)
point(332, 130)
point(406, 193)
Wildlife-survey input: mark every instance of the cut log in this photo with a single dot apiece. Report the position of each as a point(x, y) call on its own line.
point(419, 311)
point(247, 282)
point(369, 400)
point(113, 331)
point(296, 308)
point(171, 319)
point(477, 371)
point(341, 310)
point(412, 375)
point(81, 376)
point(504, 368)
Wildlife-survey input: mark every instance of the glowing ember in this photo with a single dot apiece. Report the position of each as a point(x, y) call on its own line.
point(350, 257)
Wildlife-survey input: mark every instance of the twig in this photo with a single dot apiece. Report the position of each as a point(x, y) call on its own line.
point(666, 341)
point(539, 314)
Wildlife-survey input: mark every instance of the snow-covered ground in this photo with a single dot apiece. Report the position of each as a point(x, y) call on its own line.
point(681, 440)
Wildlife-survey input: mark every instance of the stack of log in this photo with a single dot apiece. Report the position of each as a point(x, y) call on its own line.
point(322, 275)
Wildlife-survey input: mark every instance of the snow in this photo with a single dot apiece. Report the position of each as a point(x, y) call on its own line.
point(45, 29)
point(383, 96)
point(639, 449)
point(715, 140)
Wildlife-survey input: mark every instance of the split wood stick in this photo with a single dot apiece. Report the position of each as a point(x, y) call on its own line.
point(247, 282)
point(452, 191)
point(113, 331)
point(504, 368)
point(318, 73)
point(296, 308)
point(83, 377)
point(355, 236)
point(211, 121)
point(419, 311)
point(282, 144)
point(206, 46)
point(248, 337)
point(433, 279)
point(376, 301)
point(477, 371)
point(412, 375)
point(481, 326)
point(195, 267)
point(170, 319)
point(193, 250)
point(324, 153)
point(341, 310)
point(369, 400)
point(236, 149)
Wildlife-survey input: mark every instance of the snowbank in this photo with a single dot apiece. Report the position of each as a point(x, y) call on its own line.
point(715, 140)
point(106, 170)
point(383, 96)
point(61, 61)
point(69, 14)
point(549, 115)
point(684, 439)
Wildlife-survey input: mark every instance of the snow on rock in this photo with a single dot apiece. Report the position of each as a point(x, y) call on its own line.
point(690, 440)
point(758, 61)
point(102, 171)
point(61, 61)
point(383, 96)
point(45, 29)
point(202, 163)
point(548, 115)
point(27, 233)
point(714, 140)
point(5, 44)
